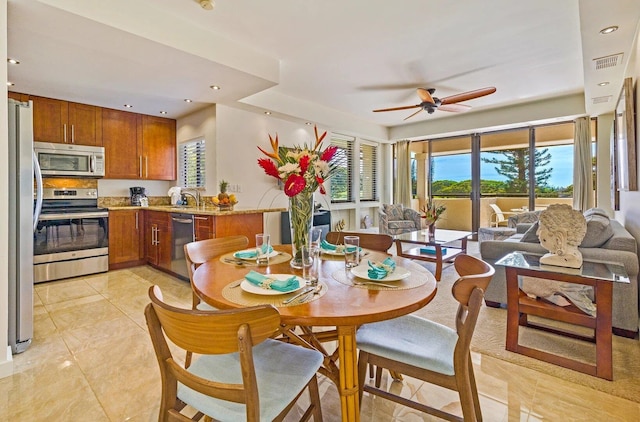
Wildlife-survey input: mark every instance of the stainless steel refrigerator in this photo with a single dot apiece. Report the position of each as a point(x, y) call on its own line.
point(23, 217)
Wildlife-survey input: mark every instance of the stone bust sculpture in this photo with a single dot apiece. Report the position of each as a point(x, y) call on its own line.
point(561, 229)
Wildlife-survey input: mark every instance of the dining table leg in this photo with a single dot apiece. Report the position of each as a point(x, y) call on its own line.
point(347, 355)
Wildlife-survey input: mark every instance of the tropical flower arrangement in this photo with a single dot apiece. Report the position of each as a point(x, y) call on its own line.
point(432, 212)
point(302, 169)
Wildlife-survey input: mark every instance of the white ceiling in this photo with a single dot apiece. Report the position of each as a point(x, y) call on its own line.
point(311, 59)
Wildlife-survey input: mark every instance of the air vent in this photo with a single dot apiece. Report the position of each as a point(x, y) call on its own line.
point(603, 99)
point(608, 61)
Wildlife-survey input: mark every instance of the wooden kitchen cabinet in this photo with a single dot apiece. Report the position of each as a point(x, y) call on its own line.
point(158, 138)
point(235, 224)
point(65, 122)
point(18, 96)
point(120, 138)
point(204, 227)
point(126, 238)
point(138, 146)
point(157, 238)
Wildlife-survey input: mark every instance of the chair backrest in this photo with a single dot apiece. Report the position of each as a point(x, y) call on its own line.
point(206, 332)
point(498, 212)
point(373, 241)
point(468, 290)
point(201, 251)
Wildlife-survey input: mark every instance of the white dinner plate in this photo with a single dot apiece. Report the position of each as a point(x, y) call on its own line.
point(249, 287)
point(362, 271)
point(235, 254)
point(333, 252)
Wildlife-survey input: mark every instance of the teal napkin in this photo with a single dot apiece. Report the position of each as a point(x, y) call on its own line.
point(265, 282)
point(327, 246)
point(250, 254)
point(379, 270)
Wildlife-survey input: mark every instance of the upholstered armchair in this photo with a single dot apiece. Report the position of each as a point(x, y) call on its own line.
point(396, 219)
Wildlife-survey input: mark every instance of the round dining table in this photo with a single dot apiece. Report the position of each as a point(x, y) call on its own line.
point(340, 308)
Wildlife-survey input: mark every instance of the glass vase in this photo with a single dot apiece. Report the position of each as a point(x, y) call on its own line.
point(300, 220)
point(432, 232)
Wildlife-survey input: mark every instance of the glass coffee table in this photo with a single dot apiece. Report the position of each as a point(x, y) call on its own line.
point(438, 250)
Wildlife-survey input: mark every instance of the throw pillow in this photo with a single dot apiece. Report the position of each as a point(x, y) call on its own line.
point(599, 230)
point(595, 211)
point(530, 235)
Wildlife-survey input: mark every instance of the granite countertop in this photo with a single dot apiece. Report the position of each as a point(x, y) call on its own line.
point(207, 210)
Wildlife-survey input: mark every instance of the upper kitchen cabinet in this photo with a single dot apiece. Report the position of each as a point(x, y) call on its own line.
point(18, 96)
point(66, 122)
point(120, 138)
point(138, 146)
point(158, 148)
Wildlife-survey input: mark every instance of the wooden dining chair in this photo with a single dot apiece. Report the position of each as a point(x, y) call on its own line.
point(428, 351)
point(240, 374)
point(373, 241)
point(201, 251)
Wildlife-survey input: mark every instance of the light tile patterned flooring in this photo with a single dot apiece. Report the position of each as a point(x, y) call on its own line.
point(92, 360)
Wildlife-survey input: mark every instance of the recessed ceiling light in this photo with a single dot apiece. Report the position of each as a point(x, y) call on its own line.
point(128, 106)
point(308, 123)
point(215, 87)
point(10, 83)
point(207, 4)
point(163, 112)
point(13, 61)
point(187, 100)
point(267, 112)
point(603, 84)
point(609, 29)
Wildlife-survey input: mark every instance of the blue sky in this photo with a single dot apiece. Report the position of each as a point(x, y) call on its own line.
point(458, 167)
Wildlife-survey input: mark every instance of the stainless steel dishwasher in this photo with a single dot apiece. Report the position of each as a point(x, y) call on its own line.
point(182, 234)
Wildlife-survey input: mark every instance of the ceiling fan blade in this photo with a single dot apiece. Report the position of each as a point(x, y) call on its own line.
point(397, 108)
point(465, 96)
point(425, 96)
point(412, 115)
point(456, 108)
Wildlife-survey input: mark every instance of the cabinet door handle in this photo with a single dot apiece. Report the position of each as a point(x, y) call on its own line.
point(64, 127)
point(136, 221)
point(73, 134)
point(200, 218)
point(140, 167)
point(146, 166)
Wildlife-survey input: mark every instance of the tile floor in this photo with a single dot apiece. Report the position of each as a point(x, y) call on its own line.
point(92, 359)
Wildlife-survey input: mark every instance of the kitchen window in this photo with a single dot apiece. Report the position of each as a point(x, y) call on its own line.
point(341, 180)
point(368, 171)
point(192, 163)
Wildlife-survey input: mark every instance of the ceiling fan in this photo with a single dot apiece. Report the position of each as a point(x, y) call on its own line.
point(430, 103)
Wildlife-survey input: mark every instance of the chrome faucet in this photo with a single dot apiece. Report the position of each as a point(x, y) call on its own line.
point(195, 194)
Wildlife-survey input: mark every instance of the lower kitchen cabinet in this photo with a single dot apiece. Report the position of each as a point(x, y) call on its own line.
point(235, 224)
point(157, 239)
point(204, 227)
point(126, 238)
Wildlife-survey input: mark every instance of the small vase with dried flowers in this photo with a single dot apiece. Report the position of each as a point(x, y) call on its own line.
point(432, 212)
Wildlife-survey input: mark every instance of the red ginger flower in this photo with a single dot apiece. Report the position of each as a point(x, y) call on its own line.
point(294, 185)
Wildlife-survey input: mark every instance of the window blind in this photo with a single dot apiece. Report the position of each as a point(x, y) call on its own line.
point(341, 189)
point(368, 172)
point(192, 164)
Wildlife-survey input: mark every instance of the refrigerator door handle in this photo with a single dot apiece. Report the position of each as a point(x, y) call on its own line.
point(38, 176)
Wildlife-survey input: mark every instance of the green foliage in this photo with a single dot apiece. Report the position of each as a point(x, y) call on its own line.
point(514, 165)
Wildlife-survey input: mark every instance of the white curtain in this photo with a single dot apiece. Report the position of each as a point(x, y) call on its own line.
point(582, 165)
point(402, 186)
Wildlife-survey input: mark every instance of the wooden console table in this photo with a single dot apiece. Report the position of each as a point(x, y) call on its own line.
point(599, 275)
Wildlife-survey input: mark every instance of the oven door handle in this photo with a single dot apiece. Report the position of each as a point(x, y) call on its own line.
point(74, 216)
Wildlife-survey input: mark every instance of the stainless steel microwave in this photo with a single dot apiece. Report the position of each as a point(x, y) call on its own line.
point(69, 160)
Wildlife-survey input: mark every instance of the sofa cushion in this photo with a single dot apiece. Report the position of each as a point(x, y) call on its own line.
point(402, 224)
point(530, 235)
point(597, 211)
point(599, 230)
point(394, 211)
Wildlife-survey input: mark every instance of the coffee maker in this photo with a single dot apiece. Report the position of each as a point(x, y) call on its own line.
point(137, 194)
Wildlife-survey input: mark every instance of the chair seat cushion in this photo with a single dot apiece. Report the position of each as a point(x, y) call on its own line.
point(282, 371)
point(412, 340)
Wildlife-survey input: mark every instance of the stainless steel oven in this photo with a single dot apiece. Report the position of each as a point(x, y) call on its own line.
point(72, 235)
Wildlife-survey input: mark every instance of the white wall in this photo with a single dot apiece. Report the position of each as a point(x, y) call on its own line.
point(6, 364)
point(202, 124)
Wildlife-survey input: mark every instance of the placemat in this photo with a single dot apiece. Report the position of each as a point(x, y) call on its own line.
point(416, 279)
point(234, 293)
point(229, 259)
